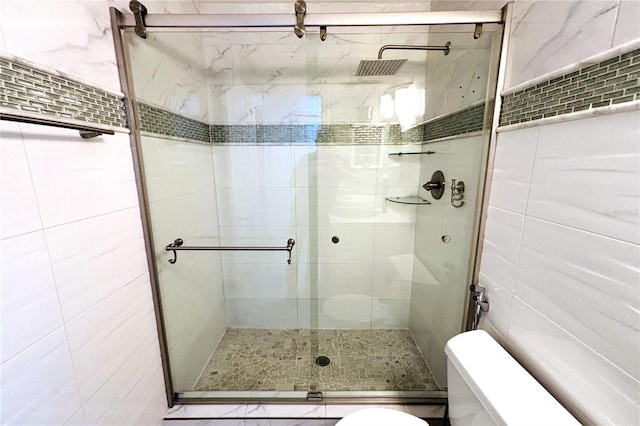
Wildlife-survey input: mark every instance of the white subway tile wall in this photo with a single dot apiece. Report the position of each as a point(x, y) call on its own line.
point(565, 259)
point(72, 251)
point(72, 247)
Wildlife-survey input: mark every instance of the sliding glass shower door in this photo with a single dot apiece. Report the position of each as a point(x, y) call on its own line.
point(250, 138)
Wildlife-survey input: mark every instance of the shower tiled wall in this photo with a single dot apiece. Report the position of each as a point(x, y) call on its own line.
point(456, 104)
point(440, 269)
point(561, 248)
point(313, 194)
point(79, 340)
point(310, 174)
point(305, 81)
point(182, 204)
point(183, 201)
point(168, 75)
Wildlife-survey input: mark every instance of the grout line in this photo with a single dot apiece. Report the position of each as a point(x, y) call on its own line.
point(136, 206)
point(115, 371)
point(595, 234)
point(615, 24)
point(579, 341)
point(66, 223)
point(64, 326)
point(533, 167)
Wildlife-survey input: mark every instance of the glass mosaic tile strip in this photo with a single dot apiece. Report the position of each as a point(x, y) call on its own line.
point(162, 122)
point(460, 122)
point(28, 89)
point(608, 82)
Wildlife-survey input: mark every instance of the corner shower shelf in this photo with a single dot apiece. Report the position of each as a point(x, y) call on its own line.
point(415, 200)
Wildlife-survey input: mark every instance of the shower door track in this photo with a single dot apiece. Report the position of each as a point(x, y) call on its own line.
point(182, 21)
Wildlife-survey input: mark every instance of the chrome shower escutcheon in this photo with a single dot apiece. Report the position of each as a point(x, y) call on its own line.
point(435, 185)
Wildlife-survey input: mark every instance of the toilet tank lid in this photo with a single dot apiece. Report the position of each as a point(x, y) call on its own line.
point(507, 391)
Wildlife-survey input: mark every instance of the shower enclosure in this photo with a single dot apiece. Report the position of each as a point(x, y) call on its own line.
point(294, 247)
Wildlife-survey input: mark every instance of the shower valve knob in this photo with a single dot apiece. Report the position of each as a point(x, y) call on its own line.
point(435, 185)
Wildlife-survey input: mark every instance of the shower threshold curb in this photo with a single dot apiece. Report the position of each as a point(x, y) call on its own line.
point(309, 412)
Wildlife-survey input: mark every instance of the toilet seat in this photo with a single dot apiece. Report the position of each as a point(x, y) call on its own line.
point(380, 417)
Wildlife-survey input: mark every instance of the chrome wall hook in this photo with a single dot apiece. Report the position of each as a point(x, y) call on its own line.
point(457, 193)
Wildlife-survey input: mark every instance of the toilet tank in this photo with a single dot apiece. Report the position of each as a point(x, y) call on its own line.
point(488, 387)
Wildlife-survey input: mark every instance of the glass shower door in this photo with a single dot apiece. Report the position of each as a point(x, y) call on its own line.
point(224, 119)
point(250, 137)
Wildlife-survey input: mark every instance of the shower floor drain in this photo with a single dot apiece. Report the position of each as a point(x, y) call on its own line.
point(323, 361)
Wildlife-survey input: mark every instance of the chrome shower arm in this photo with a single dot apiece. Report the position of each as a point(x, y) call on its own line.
point(446, 48)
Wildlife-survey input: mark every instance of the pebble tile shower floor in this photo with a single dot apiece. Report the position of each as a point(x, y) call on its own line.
point(283, 360)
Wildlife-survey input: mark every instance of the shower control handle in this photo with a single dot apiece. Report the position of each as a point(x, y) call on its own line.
point(432, 185)
point(435, 185)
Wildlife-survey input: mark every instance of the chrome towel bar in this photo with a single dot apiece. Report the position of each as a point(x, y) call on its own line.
point(177, 244)
point(88, 130)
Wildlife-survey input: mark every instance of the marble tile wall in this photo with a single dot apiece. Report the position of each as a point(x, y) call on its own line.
point(312, 194)
point(76, 299)
point(168, 75)
point(547, 36)
point(562, 263)
point(275, 78)
point(79, 341)
point(461, 78)
point(440, 269)
point(457, 86)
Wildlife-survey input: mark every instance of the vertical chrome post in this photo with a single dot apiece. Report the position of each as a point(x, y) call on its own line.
point(126, 85)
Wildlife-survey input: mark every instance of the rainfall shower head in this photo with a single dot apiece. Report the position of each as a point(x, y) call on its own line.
point(379, 67)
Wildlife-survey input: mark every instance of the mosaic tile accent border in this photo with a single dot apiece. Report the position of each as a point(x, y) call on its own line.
point(29, 89)
point(460, 122)
point(307, 134)
point(611, 81)
point(162, 122)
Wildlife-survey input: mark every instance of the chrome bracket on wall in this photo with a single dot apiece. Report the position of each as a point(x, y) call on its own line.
point(139, 12)
point(300, 7)
point(481, 304)
point(457, 193)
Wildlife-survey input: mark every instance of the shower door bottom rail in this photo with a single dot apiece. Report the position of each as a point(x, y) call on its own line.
point(177, 244)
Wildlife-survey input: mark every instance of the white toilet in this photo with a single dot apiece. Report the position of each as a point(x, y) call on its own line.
point(486, 387)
